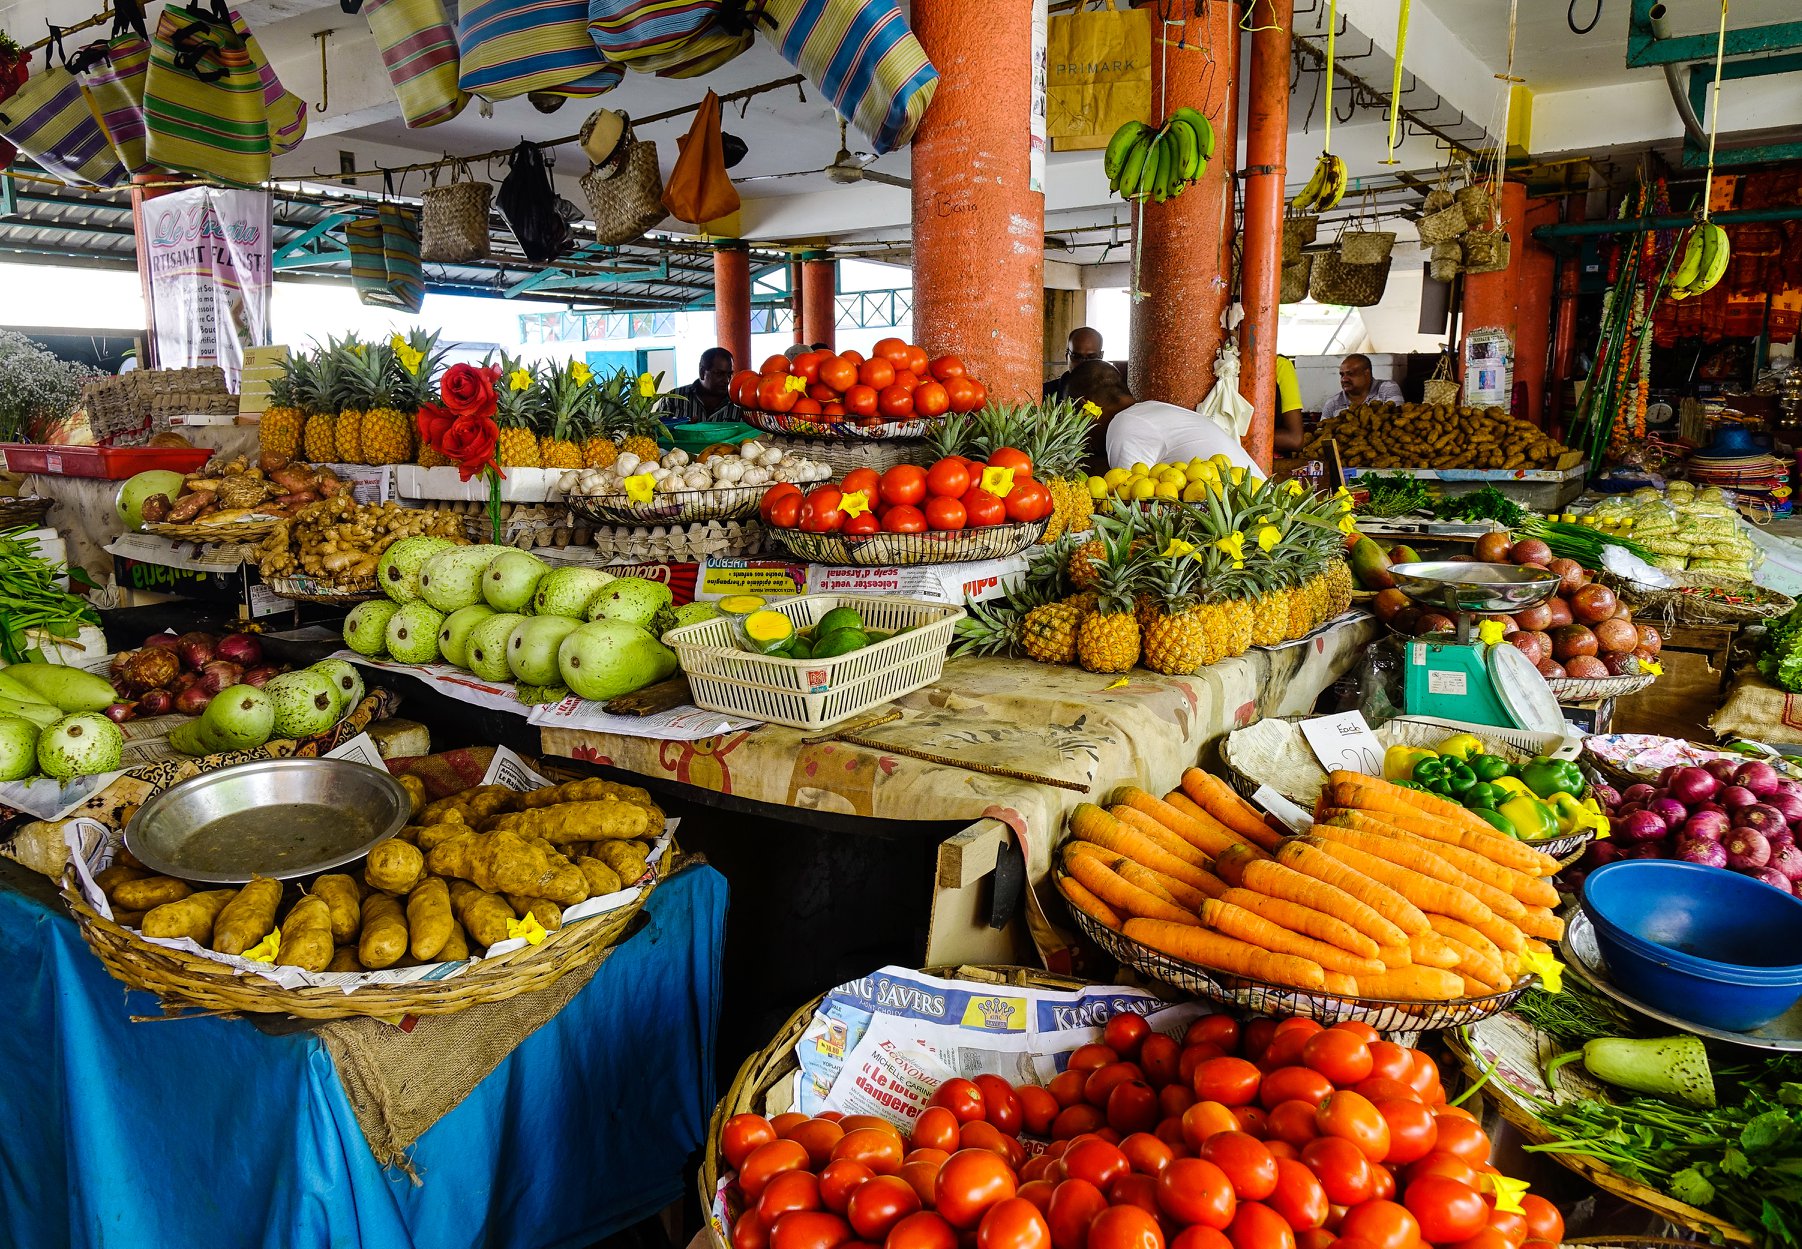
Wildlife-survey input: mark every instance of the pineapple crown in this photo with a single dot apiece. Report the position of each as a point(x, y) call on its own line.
point(991, 628)
point(1055, 435)
point(369, 376)
point(512, 394)
point(417, 359)
point(566, 397)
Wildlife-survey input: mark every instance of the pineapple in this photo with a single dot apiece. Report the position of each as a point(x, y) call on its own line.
point(1177, 640)
point(316, 382)
point(385, 433)
point(1084, 568)
point(1339, 587)
point(347, 430)
point(1108, 641)
point(283, 422)
point(567, 400)
point(1057, 439)
point(1048, 632)
point(518, 447)
point(634, 418)
point(417, 359)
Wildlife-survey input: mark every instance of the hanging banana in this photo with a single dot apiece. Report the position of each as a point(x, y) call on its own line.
point(1143, 163)
point(1703, 262)
point(1325, 188)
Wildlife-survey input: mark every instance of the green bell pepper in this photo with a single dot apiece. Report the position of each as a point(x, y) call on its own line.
point(1546, 777)
point(1490, 767)
point(1532, 820)
point(1411, 785)
point(1482, 794)
point(1495, 818)
point(1444, 776)
point(1399, 761)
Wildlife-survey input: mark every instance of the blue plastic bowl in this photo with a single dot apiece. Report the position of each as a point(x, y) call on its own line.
point(1709, 946)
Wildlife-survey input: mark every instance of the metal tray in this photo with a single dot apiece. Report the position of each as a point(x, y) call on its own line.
point(275, 817)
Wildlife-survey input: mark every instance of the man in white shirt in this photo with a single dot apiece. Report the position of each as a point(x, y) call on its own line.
point(1149, 432)
point(1357, 386)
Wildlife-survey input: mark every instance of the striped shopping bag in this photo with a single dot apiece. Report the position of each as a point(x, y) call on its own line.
point(204, 103)
point(508, 48)
point(865, 59)
point(287, 111)
point(112, 73)
point(384, 257)
point(419, 48)
point(674, 38)
point(50, 120)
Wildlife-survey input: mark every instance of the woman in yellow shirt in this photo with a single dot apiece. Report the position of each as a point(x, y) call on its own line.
point(1289, 435)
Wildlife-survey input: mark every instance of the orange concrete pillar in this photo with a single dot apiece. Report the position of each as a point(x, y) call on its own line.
point(978, 225)
point(1533, 304)
point(819, 298)
point(1185, 251)
point(794, 300)
point(732, 303)
point(1261, 269)
point(1492, 300)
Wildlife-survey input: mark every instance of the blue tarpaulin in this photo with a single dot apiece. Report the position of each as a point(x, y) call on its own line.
point(121, 1135)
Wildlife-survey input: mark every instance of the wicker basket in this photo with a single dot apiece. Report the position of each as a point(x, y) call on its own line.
point(1582, 689)
point(319, 590)
point(1438, 199)
point(23, 511)
point(1673, 606)
point(682, 507)
point(842, 431)
point(453, 227)
point(1443, 226)
point(1446, 262)
point(678, 544)
point(227, 534)
point(1298, 232)
point(1295, 280)
point(1353, 286)
point(1486, 251)
point(892, 550)
point(1479, 208)
point(126, 410)
point(185, 981)
point(1366, 247)
point(842, 457)
point(625, 206)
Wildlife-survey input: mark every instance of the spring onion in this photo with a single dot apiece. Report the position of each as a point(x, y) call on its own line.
point(1582, 543)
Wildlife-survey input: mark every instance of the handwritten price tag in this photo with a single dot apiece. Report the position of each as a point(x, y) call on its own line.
point(1344, 743)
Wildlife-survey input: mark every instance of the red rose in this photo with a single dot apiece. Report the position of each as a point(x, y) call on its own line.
point(471, 441)
point(433, 421)
point(468, 391)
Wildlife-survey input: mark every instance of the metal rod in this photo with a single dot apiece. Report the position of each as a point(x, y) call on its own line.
point(1318, 56)
point(1642, 225)
point(104, 15)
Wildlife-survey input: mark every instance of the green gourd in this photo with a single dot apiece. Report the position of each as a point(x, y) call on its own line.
point(1673, 1067)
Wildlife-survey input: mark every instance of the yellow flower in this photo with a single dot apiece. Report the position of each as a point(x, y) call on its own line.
point(854, 504)
point(1549, 970)
point(1292, 486)
point(647, 386)
point(529, 928)
point(998, 481)
point(580, 373)
point(519, 379)
point(397, 343)
point(1176, 548)
point(790, 382)
point(1268, 537)
point(409, 358)
point(1343, 498)
point(1508, 1192)
point(1090, 409)
point(1234, 545)
point(639, 488)
point(265, 950)
point(1348, 523)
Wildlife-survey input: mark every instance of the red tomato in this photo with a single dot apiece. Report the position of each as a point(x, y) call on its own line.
point(946, 367)
point(809, 1229)
point(984, 1135)
point(1229, 1081)
point(1423, 1072)
point(1299, 1198)
point(817, 1137)
point(924, 1230)
point(975, 394)
point(1246, 1162)
point(1193, 1190)
point(1292, 1122)
point(1073, 1121)
point(891, 349)
point(906, 380)
point(1294, 1084)
point(1174, 1100)
point(904, 483)
point(1543, 1220)
point(1285, 1048)
point(895, 402)
point(962, 392)
point(1441, 1163)
point(1028, 501)
point(1038, 1106)
point(1391, 1061)
point(1512, 1228)
point(860, 400)
point(1381, 1225)
point(1205, 1119)
point(1159, 1056)
point(791, 1190)
point(838, 373)
point(931, 399)
point(876, 373)
point(1074, 1205)
point(877, 1206)
point(820, 510)
point(1487, 1238)
point(1446, 1210)
point(1131, 1106)
point(1103, 1082)
point(1192, 1057)
point(807, 365)
point(945, 514)
point(764, 504)
point(741, 1134)
point(855, 357)
point(1135, 1190)
point(806, 406)
point(950, 479)
point(1413, 1131)
point(1342, 1169)
point(1358, 1028)
point(878, 1150)
point(1019, 461)
point(1347, 1115)
point(1257, 1226)
point(1380, 1089)
point(1192, 1238)
point(1145, 1153)
point(768, 1161)
point(1037, 1191)
point(1258, 1033)
point(867, 480)
point(1170, 1131)
point(1317, 1238)
point(821, 393)
point(1221, 1030)
point(862, 524)
point(838, 1181)
point(1095, 1161)
point(1125, 1227)
point(773, 364)
point(1013, 1224)
point(969, 1183)
point(1251, 1120)
point(749, 1232)
point(1382, 1183)
point(1094, 1055)
point(773, 394)
point(1339, 1055)
point(1001, 1105)
point(785, 512)
point(962, 1098)
point(744, 382)
point(922, 1177)
point(1460, 1136)
point(916, 360)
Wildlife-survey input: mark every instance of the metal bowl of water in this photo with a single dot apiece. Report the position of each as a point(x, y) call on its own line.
point(1468, 587)
point(276, 817)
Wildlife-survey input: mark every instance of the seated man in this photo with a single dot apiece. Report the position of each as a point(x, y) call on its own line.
point(706, 398)
point(1083, 345)
point(1356, 386)
point(1149, 432)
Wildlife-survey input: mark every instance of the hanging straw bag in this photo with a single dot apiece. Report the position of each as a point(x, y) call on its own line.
point(1295, 279)
point(1440, 388)
point(1365, 247)
point(453, 222)
point(1474, 198)
point(1486, 251)
point(1298, 232)
point(204, 104)
point(507, 49)
point(631, 202)
point(50, 120)
point(419, 50)
point(1441, 217)
point(1351, 285)
point(287, 111)
point(1447, 261)
point(864, 58)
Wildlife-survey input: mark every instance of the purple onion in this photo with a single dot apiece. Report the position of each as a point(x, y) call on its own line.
point(1624, 810)
point(1691, 786)
point(260, 674)
point(1771, 876)
point(243, 649)
point(193, 700)
point(1644, 850)
point(1715, 807)
point(1707, 825)
point(119, 713)
point(1747, 848)
point(1787, 786)
point(220, 674)
point(1672, 812)
point(1788, 803)
point(1664, 777)
point(1722, 770)
point(1736, 797)
point(1601, 854)
point(1758, 776)
point(1700, 850)
point(1640, 793)
point(1766, 820)
point(1639, 826)
point(1607, 796)
point(1787, 858)
point(162, 641)
point(156, 703)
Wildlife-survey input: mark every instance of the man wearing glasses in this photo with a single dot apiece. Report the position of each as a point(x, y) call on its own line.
point(1356, 386)
point(1084, 345)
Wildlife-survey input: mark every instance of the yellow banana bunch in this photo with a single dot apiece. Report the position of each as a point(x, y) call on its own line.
point(1703, 262)
point(1325, 188)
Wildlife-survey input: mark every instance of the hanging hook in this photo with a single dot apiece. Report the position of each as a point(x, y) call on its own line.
point(325, 83)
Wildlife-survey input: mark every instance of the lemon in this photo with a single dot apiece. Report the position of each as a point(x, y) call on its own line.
point(1114, 476)
point(1175, 476)
point(1209, 474)
point(1195, 465)
point(1141, 469)
point(1166, 490)
point(1195, 492)
point(1238, 474)
point(1097, 488)
point(1220, 461)
point(1143, 489)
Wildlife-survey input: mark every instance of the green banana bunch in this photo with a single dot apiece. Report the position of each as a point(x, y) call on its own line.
point(1142, 163)
point(1703, 262)
point(1325, 187)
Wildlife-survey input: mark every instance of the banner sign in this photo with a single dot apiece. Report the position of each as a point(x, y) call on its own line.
point(210, 276)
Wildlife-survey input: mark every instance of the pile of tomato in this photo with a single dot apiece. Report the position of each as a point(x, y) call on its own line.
point(897, 382)
point(951, 494)
point(1262, 1135)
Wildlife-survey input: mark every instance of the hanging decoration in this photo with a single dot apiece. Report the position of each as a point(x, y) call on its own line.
point(1328, 184)
point(1395, 85)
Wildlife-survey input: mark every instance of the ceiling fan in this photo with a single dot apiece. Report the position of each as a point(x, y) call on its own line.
point(847, 167)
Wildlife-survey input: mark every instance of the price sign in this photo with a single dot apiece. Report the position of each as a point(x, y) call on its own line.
point(1344, 743)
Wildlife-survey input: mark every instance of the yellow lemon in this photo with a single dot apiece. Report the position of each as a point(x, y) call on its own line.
point(1195, 465)
point(1195, 492)
point(1114, 476)
point(1143, 489)
point(1166, 490)
point(1220, 460)
point(1141, 469)
point(1097, 488)
point(1209, 474)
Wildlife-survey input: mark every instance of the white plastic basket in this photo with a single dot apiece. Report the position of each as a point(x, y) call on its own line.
point(812, 693)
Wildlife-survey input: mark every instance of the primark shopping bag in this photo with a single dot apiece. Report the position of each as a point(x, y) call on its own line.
point(1097, 74)
point(204, 105)
point(49, 120)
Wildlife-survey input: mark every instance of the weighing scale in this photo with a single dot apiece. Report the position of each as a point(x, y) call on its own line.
point(1477, 679)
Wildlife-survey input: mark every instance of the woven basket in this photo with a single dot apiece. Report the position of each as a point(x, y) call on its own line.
point(1440, 388)
point(185, 981)
point(1443, 226)
point(1479, 208)
point(890, 550)
point(1672, 606)
point(1439, 198)
point(1295, 280)
point(1298, 232)
point(624, 207)
point(683, 507)
point(454, 221)
point(842, 457)
point(803, 426)
point(1366, 247)
point(678, 544)
point(757, 1088)
point(1447, 261)
point(23, 511)
point(1582, 689)
point(1486, 251)
point(318, 590)
point(226, 534)
point(1353, 286)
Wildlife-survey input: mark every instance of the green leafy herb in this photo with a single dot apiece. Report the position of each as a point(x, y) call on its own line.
point(1781, 658)
point(31, 599)
point(1487, 503)
point(1393, 496)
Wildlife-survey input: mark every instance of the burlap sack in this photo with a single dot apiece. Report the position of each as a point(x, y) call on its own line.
point(1756, 709)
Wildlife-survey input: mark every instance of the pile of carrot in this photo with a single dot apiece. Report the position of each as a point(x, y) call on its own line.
point(1395, 894)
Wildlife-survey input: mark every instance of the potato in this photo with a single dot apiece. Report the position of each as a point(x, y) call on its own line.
point(249, 917)
point(394, 867)
point(129, 919)
point(111, 878)
point(123, 857)
point(307, 935)
point(343, 896)
point(148, 892)
point(344, 958)
point(548, 913)
point(415, 791)
point(429, 918)
point(457, 948)
point(384, 939)
point(579, 821)
point(432, 836)
point(625, 857)
point(602, 880)
point(483, 915)
point(192, 917)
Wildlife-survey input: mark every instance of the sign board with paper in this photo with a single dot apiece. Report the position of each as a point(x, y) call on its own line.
point(1344, 743)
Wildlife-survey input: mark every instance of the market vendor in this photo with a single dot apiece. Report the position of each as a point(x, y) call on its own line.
point(1083, 345)
point(1356, 386)
point(1289, 434)
point(1148, 431)
point(705, 398)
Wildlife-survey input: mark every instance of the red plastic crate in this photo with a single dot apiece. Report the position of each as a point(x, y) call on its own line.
point(107, 463)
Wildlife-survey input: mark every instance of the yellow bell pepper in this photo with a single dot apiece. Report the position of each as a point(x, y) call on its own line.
point(1574, 816)
point(1513, 784)
point(1399, 761)
point(1461, 746)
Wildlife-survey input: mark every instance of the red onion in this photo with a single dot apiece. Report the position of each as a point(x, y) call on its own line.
point(1601, 853)
point(1693, 785)
point(1712, 825)
point(1772, 877)
point(1672, 812)
point(1639, 826)
point(1788, 860)
point(1641, 793)
point(196, 650)
point(1700, 850)
point(1788, 803)
point(119, 713)
point(162, 641)
point(1606, 795)
point(1787, 786)
point(1736, 797)
point(156, 703)
point(220, 674)
point(1766, 820)
point(1721, 769)
point(258, 675)
point(243, 649)
point(1758, 776)
point(193, 700)
point(1644, 850)
point(182, 681)
point(1747, 847)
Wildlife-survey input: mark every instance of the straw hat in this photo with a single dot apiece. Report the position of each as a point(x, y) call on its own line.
point(603, 137)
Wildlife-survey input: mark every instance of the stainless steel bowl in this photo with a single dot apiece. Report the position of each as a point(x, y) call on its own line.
point(276, 817)
point(1466, 587)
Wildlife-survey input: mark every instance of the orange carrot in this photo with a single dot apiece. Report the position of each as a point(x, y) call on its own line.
point(1465, 933)
point(1445, 821)
point(1114, 889)
point(1430, 895)
point(1217, 798)
point(1236, 921)
point(1429, 950)
point(1305, 920)
point(1540, 922)
point(1412, 984)
point(1474, 874)
point(1474, 987)
point(1339, 982)
point(1206, 834)
point(1387, 796)
point(1092, 824)
point(1536, 946)
point(1507, 938)
point(1285, 882)
point(1211, 949)
point(1079, 897)
point(1186, 896)
point(1377, 896)
point(1473, 962)
point(1144, 878)
point(1153, 831)
point(1536, 891)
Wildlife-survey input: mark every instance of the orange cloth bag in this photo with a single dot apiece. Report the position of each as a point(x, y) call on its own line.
point(699, 189)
